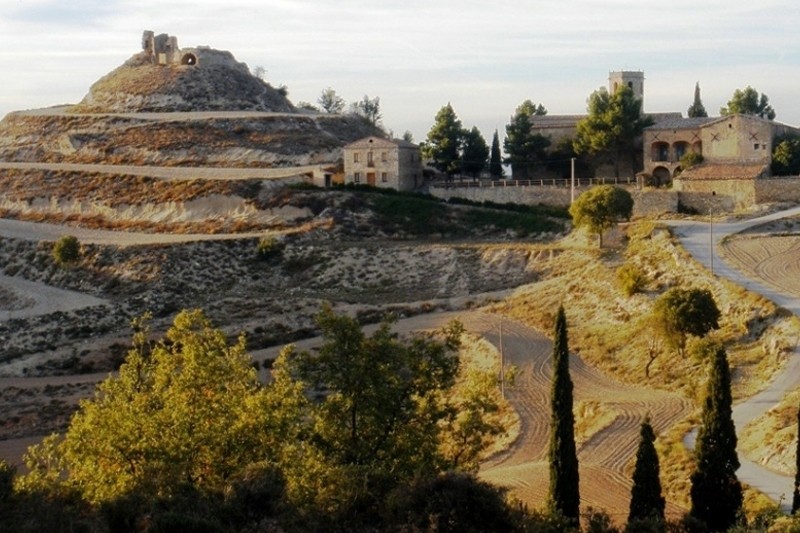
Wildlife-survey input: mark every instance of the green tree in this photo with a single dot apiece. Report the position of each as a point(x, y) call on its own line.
point(796, 491)
point(330, 101)
point(599, 209)
point(564, 494)
point(185, 411)
point(681, 312)
point(786, 156)
point(716, 493)
point(66, 250)
point(382, 419)
point(496, 159)
point(697, 109)
point(748, 102)
point(369, 109)
point(474, 152)
point(408, 136)
point(523, 148)
point(443, 145)
point(612, 126)
point(646, 499)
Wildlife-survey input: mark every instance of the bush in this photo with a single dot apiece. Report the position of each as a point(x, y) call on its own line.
point(67, 250)
point(691, 159)
point(631, 279)
point(269, 247)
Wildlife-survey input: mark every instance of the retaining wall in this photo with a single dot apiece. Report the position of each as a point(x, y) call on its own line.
point(645, 202)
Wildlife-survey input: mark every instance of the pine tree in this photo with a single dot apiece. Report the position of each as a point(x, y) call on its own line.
point(564, 496)
point(716, 492)
point(796, 493)
point(646, 499)
point(697, 109)
point(495, 160)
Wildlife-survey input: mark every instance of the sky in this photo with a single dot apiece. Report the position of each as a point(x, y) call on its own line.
point(484, 58)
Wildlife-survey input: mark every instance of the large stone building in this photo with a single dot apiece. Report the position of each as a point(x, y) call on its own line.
point(562, 128)
point(386, 163)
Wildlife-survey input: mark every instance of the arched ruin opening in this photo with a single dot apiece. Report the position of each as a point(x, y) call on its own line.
point(189, 59)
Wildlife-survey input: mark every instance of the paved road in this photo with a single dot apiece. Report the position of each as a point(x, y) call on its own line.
point(697, 238)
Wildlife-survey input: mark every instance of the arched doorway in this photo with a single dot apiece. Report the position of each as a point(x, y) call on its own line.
point(661, 176)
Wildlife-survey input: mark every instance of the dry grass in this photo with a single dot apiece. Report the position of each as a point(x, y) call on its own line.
point(610, 331)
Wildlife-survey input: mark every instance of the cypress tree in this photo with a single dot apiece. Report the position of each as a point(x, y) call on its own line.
point(716, 492)
point(796, 493)
point(646, 499)
point(495, 159)
point(697, 109)
point(564, 496)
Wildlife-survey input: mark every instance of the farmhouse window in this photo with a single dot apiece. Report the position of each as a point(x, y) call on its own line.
point(384, 177)
point(355, 157)
point(357, 177)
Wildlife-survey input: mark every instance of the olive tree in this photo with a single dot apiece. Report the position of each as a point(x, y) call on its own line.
point(599, 209)
point(681, 312)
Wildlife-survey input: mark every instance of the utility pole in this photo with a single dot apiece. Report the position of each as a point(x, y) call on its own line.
point(502, 365)
point(572, 173)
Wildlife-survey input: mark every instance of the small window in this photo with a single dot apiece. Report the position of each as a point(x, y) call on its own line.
point(763, 146)
point(357, 177)
point(384, 177)
point(755, 146)
point(383, 156)
point(369, 157)
point(355, 157)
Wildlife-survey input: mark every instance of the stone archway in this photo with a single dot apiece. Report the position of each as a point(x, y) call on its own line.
point(661, 176)
point(189, 59)
point(659, 151)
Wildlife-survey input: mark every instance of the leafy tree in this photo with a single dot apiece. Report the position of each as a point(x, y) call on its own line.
point(690, 159)
point(369, 109)
point(307, 106)
point(496, 159)
point(408, 136)
point(260, 72)
point(681, 312)
point(697, 109)
point(796, 491)
point(443, 145)
point(386, 415)
point(613, 125)
point(716, 493)
point(786, 156)
point(330, 101)
point(749, 102)
point(474, 152)
point(600, 208)
point(66, 250)
point(646, 499)
point(187, 410)
point(564, 496)
point(524, 149)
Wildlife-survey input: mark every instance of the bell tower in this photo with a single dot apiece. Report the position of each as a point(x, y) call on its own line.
point(632, 78)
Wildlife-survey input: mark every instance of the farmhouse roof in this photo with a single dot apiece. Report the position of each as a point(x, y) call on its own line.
point(372, 142)
point(733, 171)
point(675, 123)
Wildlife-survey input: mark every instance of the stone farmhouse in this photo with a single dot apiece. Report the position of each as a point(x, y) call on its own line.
point(385, 163)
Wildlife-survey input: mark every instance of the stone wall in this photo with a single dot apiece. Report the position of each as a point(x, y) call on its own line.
point(645, 202)
point(706, 196)
point(786, 189)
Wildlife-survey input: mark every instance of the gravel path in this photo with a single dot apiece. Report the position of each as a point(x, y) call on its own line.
point(697, 238)
point(170, 173)
point(35, 231)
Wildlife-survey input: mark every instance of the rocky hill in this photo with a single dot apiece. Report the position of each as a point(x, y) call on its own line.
point(217, 82)
point(170, 106)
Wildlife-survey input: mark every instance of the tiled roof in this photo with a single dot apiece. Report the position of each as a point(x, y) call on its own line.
point(733, 171)
point(676, 123)
point(367, 142)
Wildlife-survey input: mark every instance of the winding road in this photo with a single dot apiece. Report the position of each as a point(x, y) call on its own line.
point(702, 241)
